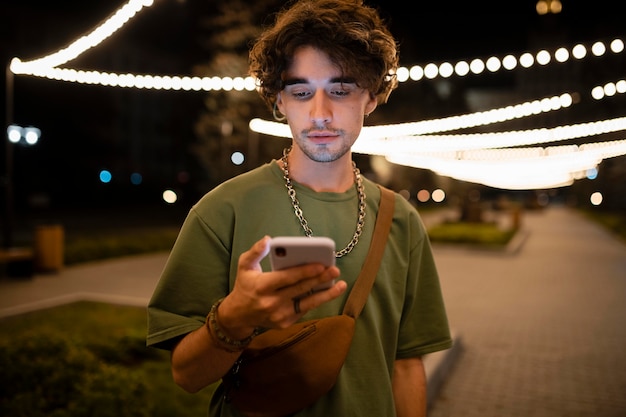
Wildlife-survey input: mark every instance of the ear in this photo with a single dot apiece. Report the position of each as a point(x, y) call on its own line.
point(277, 111)
point(279, 102)
point(371, 104)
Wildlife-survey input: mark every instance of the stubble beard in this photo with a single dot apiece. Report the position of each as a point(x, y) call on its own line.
point(324, 152)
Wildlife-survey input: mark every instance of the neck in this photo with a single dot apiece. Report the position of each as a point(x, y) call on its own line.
point(336, 176)
point(298, 211)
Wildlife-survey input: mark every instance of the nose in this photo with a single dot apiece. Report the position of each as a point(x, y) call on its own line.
point(321, 108)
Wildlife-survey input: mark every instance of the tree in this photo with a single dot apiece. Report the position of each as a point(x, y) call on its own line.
point(226, 35)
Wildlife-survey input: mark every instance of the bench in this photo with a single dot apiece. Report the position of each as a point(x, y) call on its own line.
point(17, 262)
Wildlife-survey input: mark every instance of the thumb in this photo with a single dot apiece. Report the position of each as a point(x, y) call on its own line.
point(251, 258)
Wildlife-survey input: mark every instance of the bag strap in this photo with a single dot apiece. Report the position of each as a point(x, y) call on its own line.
point(365, 281)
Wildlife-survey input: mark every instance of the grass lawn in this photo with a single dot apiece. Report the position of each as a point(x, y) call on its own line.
point(113, 335)
point(487, 235)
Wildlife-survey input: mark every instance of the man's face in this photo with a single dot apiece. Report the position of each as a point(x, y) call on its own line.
point(324, 109)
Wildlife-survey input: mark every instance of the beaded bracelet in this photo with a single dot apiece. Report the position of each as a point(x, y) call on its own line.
point(225, 342)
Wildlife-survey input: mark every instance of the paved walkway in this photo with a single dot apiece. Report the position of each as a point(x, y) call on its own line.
point(540, 328)
point(128, 280)
point(543, 331)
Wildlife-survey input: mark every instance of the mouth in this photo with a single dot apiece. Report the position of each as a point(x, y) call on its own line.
point(322, 136)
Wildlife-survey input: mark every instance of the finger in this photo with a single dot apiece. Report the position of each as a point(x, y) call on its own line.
point(320, 283)
point(288, 277)
point(304, 304)
point(299, 280)
point(251, 259)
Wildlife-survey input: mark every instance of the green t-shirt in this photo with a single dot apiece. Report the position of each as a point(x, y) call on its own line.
point(404, 315)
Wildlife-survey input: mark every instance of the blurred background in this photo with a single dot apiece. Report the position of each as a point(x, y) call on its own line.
point(113, 149)
point(99, 164)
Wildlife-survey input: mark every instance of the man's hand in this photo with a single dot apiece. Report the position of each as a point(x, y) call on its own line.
point(266, 299)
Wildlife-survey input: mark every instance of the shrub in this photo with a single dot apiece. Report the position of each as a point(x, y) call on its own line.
point(86, 247)
point(484, 234)
point(45, 374)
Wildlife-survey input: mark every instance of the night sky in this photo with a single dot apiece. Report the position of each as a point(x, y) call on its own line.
point(70, 114)
point(431, 31)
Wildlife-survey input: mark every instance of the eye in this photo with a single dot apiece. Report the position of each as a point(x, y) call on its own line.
point(342, 90)
point(298, 92)
point(301, 94)
point(339, 93)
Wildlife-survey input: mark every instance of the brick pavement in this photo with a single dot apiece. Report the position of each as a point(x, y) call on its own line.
point(543, 331)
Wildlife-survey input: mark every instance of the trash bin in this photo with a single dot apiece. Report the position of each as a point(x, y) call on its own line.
point(49, 248)
point(516, 218)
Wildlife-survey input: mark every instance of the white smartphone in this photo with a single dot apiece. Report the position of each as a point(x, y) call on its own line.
point(290, 251)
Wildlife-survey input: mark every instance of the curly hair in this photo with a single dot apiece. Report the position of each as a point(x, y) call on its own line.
point(353, 35)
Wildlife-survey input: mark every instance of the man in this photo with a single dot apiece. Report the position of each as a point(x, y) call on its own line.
point(324, 66)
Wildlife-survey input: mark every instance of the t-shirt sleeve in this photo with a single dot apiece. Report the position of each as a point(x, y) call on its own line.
point(424, 324)
point(188, 285)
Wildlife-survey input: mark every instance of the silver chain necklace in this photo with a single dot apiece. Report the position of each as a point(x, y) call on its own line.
point(298, 211)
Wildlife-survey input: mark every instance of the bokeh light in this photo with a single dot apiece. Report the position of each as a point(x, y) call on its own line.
point(105, 176)
point(423, 196)
point(438, 195)
point(170, 196)
point(136, 178)
point(237, 158)
point(596, 198)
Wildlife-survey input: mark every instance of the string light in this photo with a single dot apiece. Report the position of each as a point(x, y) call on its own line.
point(428, 127)
point(438, 143)
point(407, 143)
point(525, 168)
point(467, 157)
point(84, 43)
point(47, 67)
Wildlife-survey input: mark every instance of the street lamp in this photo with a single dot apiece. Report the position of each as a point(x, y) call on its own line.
point(23, 135)
point(7, 230)
point(16, 135)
